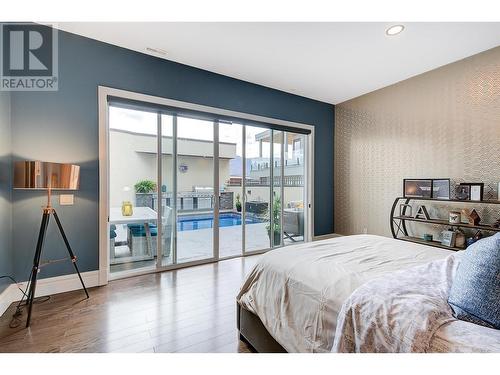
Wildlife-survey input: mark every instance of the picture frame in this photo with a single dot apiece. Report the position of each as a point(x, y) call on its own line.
point(417, 188)
point(476, 190)
point(462, 192)
point(455, 217)
point(441, 188)
point(448, 238)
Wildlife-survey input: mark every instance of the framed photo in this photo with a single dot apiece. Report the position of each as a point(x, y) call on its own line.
point(476, 190)
point(448, 238)
point(441, 188)
point(462, 192)
point(455, 217)
point(417, 188)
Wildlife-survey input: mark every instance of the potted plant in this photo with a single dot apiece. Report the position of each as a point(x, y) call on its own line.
point(238, 203)
point(276, 230)
point(144, 193)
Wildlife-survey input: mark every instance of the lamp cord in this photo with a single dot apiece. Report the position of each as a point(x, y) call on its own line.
point(16, 317)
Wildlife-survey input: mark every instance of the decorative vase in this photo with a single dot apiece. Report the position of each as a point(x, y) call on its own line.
point(127, 209)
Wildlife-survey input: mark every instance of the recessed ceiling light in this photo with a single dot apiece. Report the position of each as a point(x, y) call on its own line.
point(157, 51)
point(394, 30)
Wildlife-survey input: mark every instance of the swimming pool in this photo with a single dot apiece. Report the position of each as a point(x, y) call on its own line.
point(195, 222)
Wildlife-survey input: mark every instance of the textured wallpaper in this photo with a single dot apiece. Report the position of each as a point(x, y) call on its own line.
point(440, 124)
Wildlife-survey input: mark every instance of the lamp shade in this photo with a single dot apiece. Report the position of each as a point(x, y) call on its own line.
point(43, 175)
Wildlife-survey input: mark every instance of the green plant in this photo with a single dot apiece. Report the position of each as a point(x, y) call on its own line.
point(238, 203)
point(276, 220)
point(145, 186)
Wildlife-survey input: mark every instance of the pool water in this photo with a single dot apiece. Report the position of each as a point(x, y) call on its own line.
point(192, 222)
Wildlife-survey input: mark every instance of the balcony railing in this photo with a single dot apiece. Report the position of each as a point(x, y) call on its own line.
point(288, 181)
point(194, 201)
point(264, 163)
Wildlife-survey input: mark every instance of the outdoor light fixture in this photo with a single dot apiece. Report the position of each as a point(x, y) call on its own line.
point(394, 30)
point(39, 175)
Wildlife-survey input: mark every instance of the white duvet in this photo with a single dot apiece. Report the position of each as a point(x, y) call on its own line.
point(408, 312)
point(298, 291)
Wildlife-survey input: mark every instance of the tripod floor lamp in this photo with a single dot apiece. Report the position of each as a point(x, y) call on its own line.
point(39, 175)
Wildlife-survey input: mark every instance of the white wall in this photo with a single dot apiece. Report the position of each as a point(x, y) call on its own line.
point(127, 166)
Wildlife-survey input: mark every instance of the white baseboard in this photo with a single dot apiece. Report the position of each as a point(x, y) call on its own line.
point(48, 286)
point(6, 298)
point(326, 236)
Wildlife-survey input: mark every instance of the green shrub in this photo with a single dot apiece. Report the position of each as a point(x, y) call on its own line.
point(145, 186)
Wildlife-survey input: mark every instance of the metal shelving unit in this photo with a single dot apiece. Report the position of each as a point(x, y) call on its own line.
point(398, 222)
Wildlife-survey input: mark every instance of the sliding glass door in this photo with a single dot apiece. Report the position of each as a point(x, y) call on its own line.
point(133, 214)
point(277, 192)
point(186, 189)
point(164, 199)
point(230, 189)
point(195, 189)
point(257, 188)
point(294, 190)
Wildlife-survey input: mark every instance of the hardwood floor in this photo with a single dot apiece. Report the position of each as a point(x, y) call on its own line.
point(187, 310)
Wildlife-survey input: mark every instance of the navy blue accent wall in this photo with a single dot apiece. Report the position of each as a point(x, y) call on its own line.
point(63, 126)
point(6, 261)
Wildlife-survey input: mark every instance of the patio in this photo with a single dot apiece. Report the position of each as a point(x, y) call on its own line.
point(197, 245)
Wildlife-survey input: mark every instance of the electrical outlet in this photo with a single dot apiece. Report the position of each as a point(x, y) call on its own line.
point(66, 199)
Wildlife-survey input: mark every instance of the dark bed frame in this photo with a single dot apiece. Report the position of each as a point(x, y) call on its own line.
point(253, 332)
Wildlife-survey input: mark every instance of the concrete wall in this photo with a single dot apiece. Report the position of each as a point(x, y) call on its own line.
point(6, 261)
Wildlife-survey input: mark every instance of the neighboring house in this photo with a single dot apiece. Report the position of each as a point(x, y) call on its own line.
point(258, 169)
point(132, 158)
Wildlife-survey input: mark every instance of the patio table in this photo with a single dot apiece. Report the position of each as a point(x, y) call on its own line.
point(141, 215)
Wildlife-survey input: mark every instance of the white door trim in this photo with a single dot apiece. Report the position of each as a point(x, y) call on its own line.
point(103, 186)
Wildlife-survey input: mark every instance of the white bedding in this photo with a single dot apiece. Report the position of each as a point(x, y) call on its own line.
point(408, 312)
point(298, 291)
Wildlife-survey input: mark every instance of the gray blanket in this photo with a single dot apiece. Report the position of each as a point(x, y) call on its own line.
point(398, 312)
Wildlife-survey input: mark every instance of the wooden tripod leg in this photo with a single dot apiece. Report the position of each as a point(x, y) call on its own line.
point(73, 257)
point(36, 263)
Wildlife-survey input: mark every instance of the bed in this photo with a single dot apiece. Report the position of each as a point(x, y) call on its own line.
point(294, 297)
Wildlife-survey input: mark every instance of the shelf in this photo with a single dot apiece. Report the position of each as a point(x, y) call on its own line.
point(451, 200)
point(399, 227)
point(445, 222)
point(428, 243)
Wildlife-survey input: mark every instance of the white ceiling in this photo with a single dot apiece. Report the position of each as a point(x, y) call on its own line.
point(331, 62)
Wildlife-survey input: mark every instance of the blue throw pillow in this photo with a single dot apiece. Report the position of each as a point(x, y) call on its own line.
point(475, 291)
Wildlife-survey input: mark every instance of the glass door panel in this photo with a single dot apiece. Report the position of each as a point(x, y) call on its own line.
point(257, 188)
point(277, 193)
point(162, 181)
point(195, 189)
point(294, 197)
point(231, 183)
point(166, 193)
point(132, 188)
